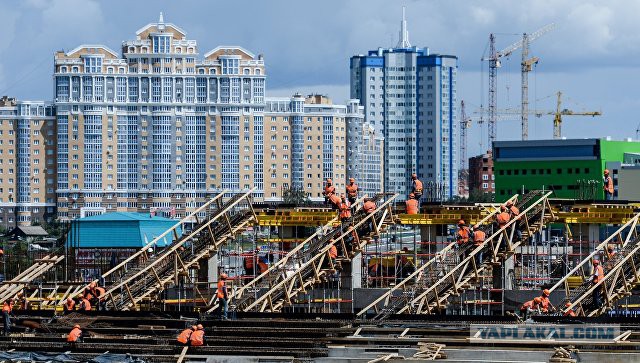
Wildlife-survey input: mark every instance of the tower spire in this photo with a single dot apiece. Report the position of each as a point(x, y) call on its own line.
point(161, 18)
point(403, 42)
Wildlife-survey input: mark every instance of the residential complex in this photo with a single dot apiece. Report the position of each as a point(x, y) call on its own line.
point(481, 178)
point(27, 162)
point(409, 97)
point(571, 168)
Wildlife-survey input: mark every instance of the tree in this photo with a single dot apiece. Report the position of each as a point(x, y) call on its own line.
point(478, 196)
point(295, 196)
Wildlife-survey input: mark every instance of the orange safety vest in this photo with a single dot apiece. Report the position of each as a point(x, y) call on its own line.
point(598, 274)
point(6, 307)
point(503, 218)
point(263, 267)
point(463, 235)
point(101, 293)
point(479, 237)
point(514, 211)
point(221, 288)
point(369, 207)
point(248, 262)
point(570, 313)
point(412, 206)
point(328, 190)
point(70, 306)
point(352, 190)
point(545, 302)
point(197, 338)
point(74, 335)
point(185, 335)
point(333, 251)
point(608, 185)
point(335, 199)
point(85, 305)
point(528, 305)
point(417, 186)
point(345, 210)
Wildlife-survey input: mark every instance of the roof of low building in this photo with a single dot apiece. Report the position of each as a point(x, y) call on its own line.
point(32, 230)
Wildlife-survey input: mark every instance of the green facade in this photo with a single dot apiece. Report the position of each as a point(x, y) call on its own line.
point(567, 170)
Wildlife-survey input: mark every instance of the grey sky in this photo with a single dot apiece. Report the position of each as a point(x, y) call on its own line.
point(592, 56)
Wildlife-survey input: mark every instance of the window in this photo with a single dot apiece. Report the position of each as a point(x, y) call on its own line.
point(162, 44)
point(93, 64)
point(230, 66)
point(485, 177)
point(485, 185)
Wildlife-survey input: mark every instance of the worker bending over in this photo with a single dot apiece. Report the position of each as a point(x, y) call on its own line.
point(185, 336)
point(416, 185)
point(545, 304)
point(197, 337)
point(75, 336)
point(607, 185)
point(352, 191)
point(69, 305)
point(569, 312)
point(412, 204)
point(531, 307)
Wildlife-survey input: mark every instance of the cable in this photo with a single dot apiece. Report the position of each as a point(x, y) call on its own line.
point(28, 74)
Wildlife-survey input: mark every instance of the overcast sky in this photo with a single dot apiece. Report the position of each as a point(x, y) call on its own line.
point(592, 55)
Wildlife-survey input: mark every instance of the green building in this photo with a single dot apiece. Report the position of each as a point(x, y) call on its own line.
point(571, 168)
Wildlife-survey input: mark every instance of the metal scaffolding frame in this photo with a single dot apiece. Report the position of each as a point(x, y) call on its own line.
point(10, 288)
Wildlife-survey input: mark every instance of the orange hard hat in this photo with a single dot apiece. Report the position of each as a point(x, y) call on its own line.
point(537, 300)
point(606, 171)
point(509, 203)
point(351, 180)
point(411, 195)
point(546, 292)
point(461, 222)
point(329, 181)
point(596, 262)
point(223, 275)
point(567, 304)
point(200, 327)
point(1, 252)
point(194, 327)
point(69, 299)
point(77, 326)
point(503, 208)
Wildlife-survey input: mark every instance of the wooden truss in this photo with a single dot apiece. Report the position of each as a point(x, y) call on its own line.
point(303, 275)
point(10, 288)
point(144, 274)
point(622, 273)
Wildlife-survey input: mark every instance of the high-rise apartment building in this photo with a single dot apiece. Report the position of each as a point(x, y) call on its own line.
point(364, 152)
point(409, 96)
point(27, 162)
point(156, 126)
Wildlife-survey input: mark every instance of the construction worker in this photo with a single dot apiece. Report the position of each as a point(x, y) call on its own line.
point(598, 275)
point(416, 186)
point(479, 236)
point(412, 204)
point(85, 304)
point(222, 295)
point(345, 209)
point(75, 335)
point(530, 307)
point(90, 291)
point(333, 253)
point(197, 337)
point(369, 207)
point(69, 305)
point(352, 191)
point(183, 337)
point(569, 312)
point(7, 308)
point(607, 185)
point(503, 217)
point(515, 214)
point(101, 303)
point(329, 190)
point(250, 261)
point(463, 236)
point(545, 304)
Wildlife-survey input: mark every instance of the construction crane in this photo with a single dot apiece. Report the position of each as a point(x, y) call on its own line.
point(465, 123)
point(557, 114)
point(494, 64)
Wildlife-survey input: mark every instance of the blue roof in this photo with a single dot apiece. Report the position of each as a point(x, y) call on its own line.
point(120, 230)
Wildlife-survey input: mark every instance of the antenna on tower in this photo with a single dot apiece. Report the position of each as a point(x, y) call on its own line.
point(404, 33)
point(161, 18)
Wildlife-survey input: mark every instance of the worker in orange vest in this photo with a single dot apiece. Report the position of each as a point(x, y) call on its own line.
point(101, 302)
point(463, 236)
point(412, 204)
point(545, 303)
point(90, 291)
point(85, 305)
point(197, 337)
point(333, 253)
point(569, 312)
point(222, 295)
point(479, 236)
point(7, 308)
point(607, 185)
point(183, 337)
point(352, 191)
point(530, 307)
point(345, 209)
point(69, 305)
point(503, 217)
point(75, 335)
point(369, 207)
point(329, 189)
point(598, 275)
point(416, 186)
point(335, 201)
point(515, 214)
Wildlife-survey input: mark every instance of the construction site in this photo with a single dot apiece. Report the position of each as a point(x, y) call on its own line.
point(399, 288)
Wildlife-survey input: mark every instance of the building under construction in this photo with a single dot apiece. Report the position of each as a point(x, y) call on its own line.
point(399, 288)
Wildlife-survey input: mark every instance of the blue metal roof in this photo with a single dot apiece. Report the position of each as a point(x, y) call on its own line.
point(119, 230)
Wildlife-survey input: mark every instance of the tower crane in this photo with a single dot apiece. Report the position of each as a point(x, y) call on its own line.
point(494, 63)
point(465, 123)
point(557, 114)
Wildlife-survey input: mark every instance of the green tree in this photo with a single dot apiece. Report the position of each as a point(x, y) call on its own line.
point(295, 196)
point(477, 196)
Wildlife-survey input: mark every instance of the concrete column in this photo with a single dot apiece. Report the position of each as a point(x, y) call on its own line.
point(212, 270)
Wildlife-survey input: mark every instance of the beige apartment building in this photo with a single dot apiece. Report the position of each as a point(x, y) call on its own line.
point(27, 162)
